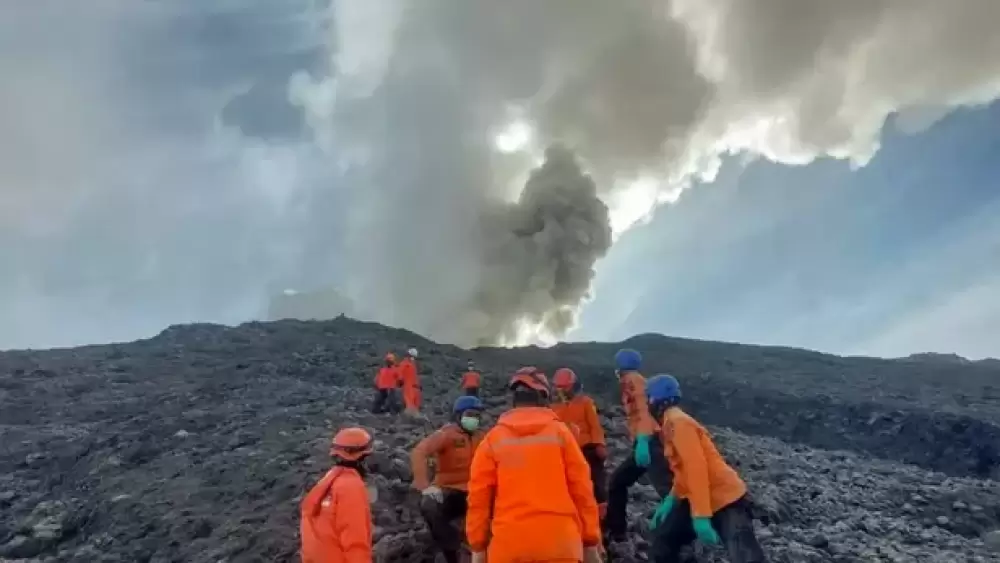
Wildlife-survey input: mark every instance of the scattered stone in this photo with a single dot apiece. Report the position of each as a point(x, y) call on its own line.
point(113, 480)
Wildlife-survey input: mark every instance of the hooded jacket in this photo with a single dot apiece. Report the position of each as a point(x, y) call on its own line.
point(530, 494)
point(336, 525)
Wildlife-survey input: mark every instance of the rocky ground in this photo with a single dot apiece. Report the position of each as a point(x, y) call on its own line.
point(196, 445)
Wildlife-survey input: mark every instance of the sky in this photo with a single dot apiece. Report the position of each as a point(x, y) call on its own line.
point(799, 174)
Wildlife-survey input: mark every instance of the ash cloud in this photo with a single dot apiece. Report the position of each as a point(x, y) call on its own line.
point(152, 171)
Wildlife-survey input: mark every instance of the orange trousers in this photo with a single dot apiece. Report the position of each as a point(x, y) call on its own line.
point(412, 397)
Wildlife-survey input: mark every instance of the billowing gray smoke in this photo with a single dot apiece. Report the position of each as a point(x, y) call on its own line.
point(157, 171)
point(539, 254)
point(647, 91)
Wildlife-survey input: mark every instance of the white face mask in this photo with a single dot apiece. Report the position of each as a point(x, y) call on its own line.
point(469, 423)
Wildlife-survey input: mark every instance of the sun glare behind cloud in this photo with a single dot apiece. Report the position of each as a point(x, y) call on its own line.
point(516, 136)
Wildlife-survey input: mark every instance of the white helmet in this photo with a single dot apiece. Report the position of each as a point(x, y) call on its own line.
point(412, 352)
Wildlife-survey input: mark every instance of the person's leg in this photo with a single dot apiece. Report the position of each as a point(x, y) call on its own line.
point(622, 478)
point(440, 527)
point(672, 535)
point(378, 405)
point(599, 476)
point(734, 523)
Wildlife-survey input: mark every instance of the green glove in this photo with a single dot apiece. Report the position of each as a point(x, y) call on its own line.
point(705, 532)
point(642, 457)
point(662, 511)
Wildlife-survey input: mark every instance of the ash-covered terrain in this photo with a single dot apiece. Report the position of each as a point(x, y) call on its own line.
point(196, 445)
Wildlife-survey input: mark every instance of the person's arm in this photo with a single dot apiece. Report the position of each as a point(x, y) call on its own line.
point(687, 443)
point(424, 450)
point(353, 523)
point(594, 422)
point(581, 488)
point(482, 487)
point(645, 424)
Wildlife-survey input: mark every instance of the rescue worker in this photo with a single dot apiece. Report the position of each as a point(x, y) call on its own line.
point(708, 500)
point(336, 524)
point(530, 496)
point(410, 380)
point(471, 380)
point(386, 382)
point(444, 502)
point(646, 446)
point(579, 412)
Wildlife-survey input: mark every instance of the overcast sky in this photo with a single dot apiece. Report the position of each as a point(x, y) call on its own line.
point(175, 161)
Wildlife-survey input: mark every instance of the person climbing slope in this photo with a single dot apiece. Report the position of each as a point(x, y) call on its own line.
point(579, 412)
point(386, 382)
point(530, 495)
point(410, 379)
point(445, 501)
point(646, 446)
point(708, 499)
point(471, 380)
point(336, 525)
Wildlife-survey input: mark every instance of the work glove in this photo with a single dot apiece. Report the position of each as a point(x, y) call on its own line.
point(433, 492)
point(642, 458)
point(592, 555)
point(479, 557)
point(662, 511)
point(601, 451)
point(705, 532)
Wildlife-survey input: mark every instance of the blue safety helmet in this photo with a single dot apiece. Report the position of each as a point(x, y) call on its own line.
point(663, 388)
point(467, 403)
point(628, 359)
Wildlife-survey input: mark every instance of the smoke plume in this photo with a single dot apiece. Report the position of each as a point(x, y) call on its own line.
point(458, 167)
point(648, 94)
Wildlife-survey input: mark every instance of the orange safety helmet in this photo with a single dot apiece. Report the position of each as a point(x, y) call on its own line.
point(351, 443)
point(531, 378)
point(564, 379)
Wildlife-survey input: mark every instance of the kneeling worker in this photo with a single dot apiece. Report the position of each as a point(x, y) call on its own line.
point(444, 502)
point(336, 524)
point(579, 412)
point(708, 499)
point(530, 496)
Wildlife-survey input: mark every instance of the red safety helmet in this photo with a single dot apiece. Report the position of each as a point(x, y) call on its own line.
point(564, 379)
point(351, 443)
point(531, 378)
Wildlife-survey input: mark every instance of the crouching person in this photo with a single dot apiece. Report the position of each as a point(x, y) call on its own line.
point(444, 503)
point(708, 499)
point(336, 519)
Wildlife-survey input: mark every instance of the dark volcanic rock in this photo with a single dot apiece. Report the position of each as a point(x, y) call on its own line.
point(197, 445)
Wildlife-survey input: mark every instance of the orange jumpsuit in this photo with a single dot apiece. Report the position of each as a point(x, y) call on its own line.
point(387, 378)
point(411, 384)
point(530, 496)
point(336, 522)
point(701, 475)
point(453, 448)
point(470, 381)
point(580, 414)
point(635, 402)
